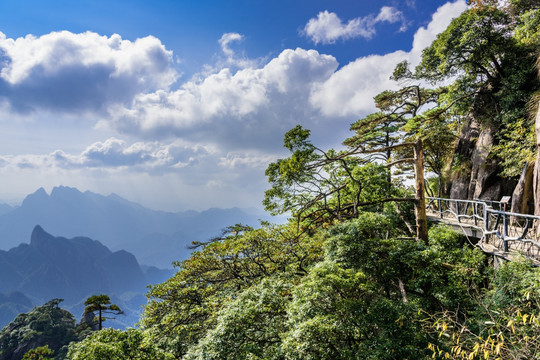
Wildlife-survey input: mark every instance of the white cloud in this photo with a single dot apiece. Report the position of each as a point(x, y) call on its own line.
point(222, 128)
point(350, 90)
point(252, 107)
point(46, 72)
point(391, 15)
point(128, 85)
point(178, 173)
point(233, 60)
point(327, 28)
point(226, 39)
point(242, 160)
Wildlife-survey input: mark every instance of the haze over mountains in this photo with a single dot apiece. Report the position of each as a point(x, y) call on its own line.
point(72, 269)
point(100, 244)
point(155, 237)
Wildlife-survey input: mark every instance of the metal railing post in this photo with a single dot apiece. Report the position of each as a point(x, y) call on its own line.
point(505, 232)
point(486, 219)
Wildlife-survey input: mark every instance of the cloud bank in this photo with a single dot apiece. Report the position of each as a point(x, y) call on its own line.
point(128, 86)
point(216, 132)
point(115, 154)
point(68, 72)
point(253, 107)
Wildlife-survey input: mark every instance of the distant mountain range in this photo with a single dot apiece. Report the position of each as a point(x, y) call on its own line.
point(72, 269)
point(155, 237)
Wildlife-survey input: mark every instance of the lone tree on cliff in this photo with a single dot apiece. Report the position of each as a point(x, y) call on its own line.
point(102, 305)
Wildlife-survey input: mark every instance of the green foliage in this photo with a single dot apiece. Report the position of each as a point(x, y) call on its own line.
point(376, 130)
point(408, 114)
point(321, 188)
point(112, 344)
point(102, 305)
point(438, 134)
point(342, 281)
point(516, 147)
point(250, 326)
point(185, 307)
point(488, 53)
point(350, 306)
point(527, 31)
point(471, 44)
point(433, 276)
point(47, 324)
point(338, 313)
point(505, 323)
point(379, 134)
point(40, 353)
point(349, 243)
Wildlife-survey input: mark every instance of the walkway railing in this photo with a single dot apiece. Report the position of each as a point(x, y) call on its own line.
point(502, 232)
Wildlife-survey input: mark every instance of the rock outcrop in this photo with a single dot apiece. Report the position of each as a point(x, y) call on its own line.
point(475, 172)
point(460, 179)
point(523, 195)
point(71, 269)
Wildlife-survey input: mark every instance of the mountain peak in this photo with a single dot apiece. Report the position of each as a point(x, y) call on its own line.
point(64, 190)
point(39, 236)
point(38, 197)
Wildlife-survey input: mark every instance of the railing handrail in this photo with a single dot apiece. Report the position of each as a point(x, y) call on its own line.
point(507, 229)
point(489, 208)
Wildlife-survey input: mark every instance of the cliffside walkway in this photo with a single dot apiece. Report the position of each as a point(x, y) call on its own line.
point(503, 234)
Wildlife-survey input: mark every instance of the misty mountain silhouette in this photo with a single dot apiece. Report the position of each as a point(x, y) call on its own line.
point(72, 269)
point(56, 267)
point(155, 237)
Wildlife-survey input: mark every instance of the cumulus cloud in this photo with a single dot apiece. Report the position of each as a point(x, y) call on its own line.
point(233, 60)
point(208, 138)
point(350, 90)
point(234, 111)
point(253, 107)
point(327, 28)
point(69, 72)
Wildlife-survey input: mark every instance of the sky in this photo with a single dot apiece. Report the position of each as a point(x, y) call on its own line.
point(179, 104)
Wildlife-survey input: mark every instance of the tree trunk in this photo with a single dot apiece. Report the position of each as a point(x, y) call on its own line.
point(100, 320)
point(420, 200)
point(536, 178)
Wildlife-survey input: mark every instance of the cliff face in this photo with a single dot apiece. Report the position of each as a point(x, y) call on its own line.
point(459, 186)
point(526, 196)
point(523, 195)
point(52, 267)
point(475, 170)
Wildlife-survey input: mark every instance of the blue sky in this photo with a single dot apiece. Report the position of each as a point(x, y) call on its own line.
point(181, 104)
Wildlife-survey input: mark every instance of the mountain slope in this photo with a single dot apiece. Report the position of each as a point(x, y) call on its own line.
point(72, 269)
point(56, 267)
point(155, 237)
